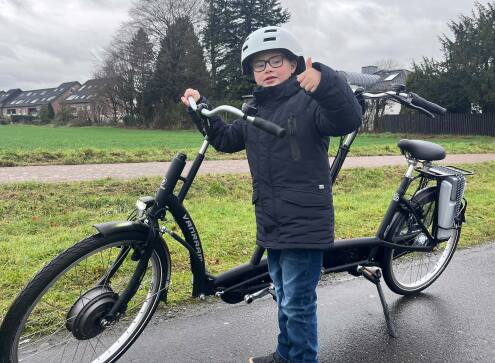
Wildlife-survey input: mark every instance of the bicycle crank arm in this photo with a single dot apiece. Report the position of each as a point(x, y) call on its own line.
point(249, 298)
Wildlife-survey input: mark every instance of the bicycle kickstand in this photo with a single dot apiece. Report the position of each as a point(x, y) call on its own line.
point(374, 275)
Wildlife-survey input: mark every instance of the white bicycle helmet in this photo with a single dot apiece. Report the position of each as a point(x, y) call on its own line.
point(269, 38)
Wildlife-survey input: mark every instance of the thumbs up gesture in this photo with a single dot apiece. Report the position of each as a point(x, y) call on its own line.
point(310, 78)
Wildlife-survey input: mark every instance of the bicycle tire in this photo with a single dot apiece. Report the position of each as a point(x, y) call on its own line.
point(36, 327)
point(420, 267)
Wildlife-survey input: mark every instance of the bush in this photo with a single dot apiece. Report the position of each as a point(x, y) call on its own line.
point(3, 121)
point(132, 120)
point(22, 119)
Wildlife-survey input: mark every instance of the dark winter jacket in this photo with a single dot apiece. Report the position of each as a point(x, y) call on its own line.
point(291, 182)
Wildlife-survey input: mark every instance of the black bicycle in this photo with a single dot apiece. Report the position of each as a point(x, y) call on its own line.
point(92, 301)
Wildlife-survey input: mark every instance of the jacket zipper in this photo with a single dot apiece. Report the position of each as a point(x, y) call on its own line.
point(294, 145)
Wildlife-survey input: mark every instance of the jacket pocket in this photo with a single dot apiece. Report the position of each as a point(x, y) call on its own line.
point(295, 151)
point(306, 199)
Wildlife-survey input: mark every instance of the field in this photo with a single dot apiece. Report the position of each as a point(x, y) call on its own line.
point(39, 145)
point(37, 221)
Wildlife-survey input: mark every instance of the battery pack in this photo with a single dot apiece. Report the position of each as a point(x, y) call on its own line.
point(449, 203)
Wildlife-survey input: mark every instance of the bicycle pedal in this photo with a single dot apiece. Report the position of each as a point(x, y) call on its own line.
point(249, 298)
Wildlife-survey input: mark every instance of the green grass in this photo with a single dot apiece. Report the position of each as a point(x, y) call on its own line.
point(38, 221)
point(39, 145)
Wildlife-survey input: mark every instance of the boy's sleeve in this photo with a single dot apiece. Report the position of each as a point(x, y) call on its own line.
point(222, 136)
point(338, 112)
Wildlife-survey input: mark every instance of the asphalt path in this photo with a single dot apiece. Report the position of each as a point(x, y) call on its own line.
point(452, 321)
point(65, 173)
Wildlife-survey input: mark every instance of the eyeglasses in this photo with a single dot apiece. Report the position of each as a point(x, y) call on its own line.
point(275, 62)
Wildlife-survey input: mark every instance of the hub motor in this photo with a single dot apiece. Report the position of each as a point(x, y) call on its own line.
point(84, 318)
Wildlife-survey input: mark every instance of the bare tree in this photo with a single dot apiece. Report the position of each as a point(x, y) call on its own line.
point(156, 16)
point(376, 108)
point(388, 64)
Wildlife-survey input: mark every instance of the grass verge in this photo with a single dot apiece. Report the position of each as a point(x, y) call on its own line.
point(42, 145)
point(37, 221)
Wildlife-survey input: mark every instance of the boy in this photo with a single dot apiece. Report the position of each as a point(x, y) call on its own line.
point(291, 182)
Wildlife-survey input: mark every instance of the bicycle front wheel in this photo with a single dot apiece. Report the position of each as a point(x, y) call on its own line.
point(408, 272)
point(59, 316)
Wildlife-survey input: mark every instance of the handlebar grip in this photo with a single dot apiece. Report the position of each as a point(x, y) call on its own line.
point(427, 105)
point(269, 127)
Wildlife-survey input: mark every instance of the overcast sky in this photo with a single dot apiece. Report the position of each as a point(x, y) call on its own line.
point(45, 43)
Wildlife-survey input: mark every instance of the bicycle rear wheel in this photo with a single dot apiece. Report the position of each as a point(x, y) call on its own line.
point(59, 314)
point(411, 272)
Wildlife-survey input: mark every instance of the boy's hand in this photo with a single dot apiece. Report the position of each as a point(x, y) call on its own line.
point(310, 78)
point(190, 93)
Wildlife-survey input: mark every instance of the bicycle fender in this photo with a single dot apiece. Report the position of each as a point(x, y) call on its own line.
point(117, 227)
point(121, 226)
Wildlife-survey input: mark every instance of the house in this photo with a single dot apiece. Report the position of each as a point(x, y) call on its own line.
point(89, 103)
point(30, 102)
point(6, 97)
point(374, 80)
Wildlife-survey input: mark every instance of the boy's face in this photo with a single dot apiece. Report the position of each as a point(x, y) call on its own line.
point(271, 67)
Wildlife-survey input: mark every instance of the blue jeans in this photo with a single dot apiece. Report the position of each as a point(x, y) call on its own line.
point(295, 274)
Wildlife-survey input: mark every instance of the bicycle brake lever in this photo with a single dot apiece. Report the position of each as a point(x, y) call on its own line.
point(408, 103)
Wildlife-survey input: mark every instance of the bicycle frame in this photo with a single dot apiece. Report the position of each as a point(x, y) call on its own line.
point(346, 254)
point(343, 255)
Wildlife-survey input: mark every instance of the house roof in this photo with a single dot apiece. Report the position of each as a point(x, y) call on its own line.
point(6, 96)
point(389, 78)
point(379, 81)
point(360, 79)
point(39, 97)
point(87, 92)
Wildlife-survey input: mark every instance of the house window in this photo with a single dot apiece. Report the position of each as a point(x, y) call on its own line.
point(391, 77)
point(11, 111)
point(32, 111)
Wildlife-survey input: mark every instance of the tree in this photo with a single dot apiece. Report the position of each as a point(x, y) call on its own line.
point(228, 24)
point(126, 71)
point(179, 64)
point(217, 17)
point(64, 114)
point(376, 108)
point(156, 16)
point(433, 81)
point(46, 113)
point(465, 78)
point(141, 59)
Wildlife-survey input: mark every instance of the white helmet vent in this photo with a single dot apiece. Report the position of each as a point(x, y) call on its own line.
point(269, 39)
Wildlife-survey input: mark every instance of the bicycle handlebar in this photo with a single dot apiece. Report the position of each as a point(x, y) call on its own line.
point(259, 122)
point(411, 100)
point(427, 105)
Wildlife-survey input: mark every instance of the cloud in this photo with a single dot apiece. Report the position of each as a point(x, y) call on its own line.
point(50, 42)
point(350, 34)
point(45, 43)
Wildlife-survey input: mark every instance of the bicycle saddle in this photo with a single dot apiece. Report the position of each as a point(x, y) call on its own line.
point(422, 150)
